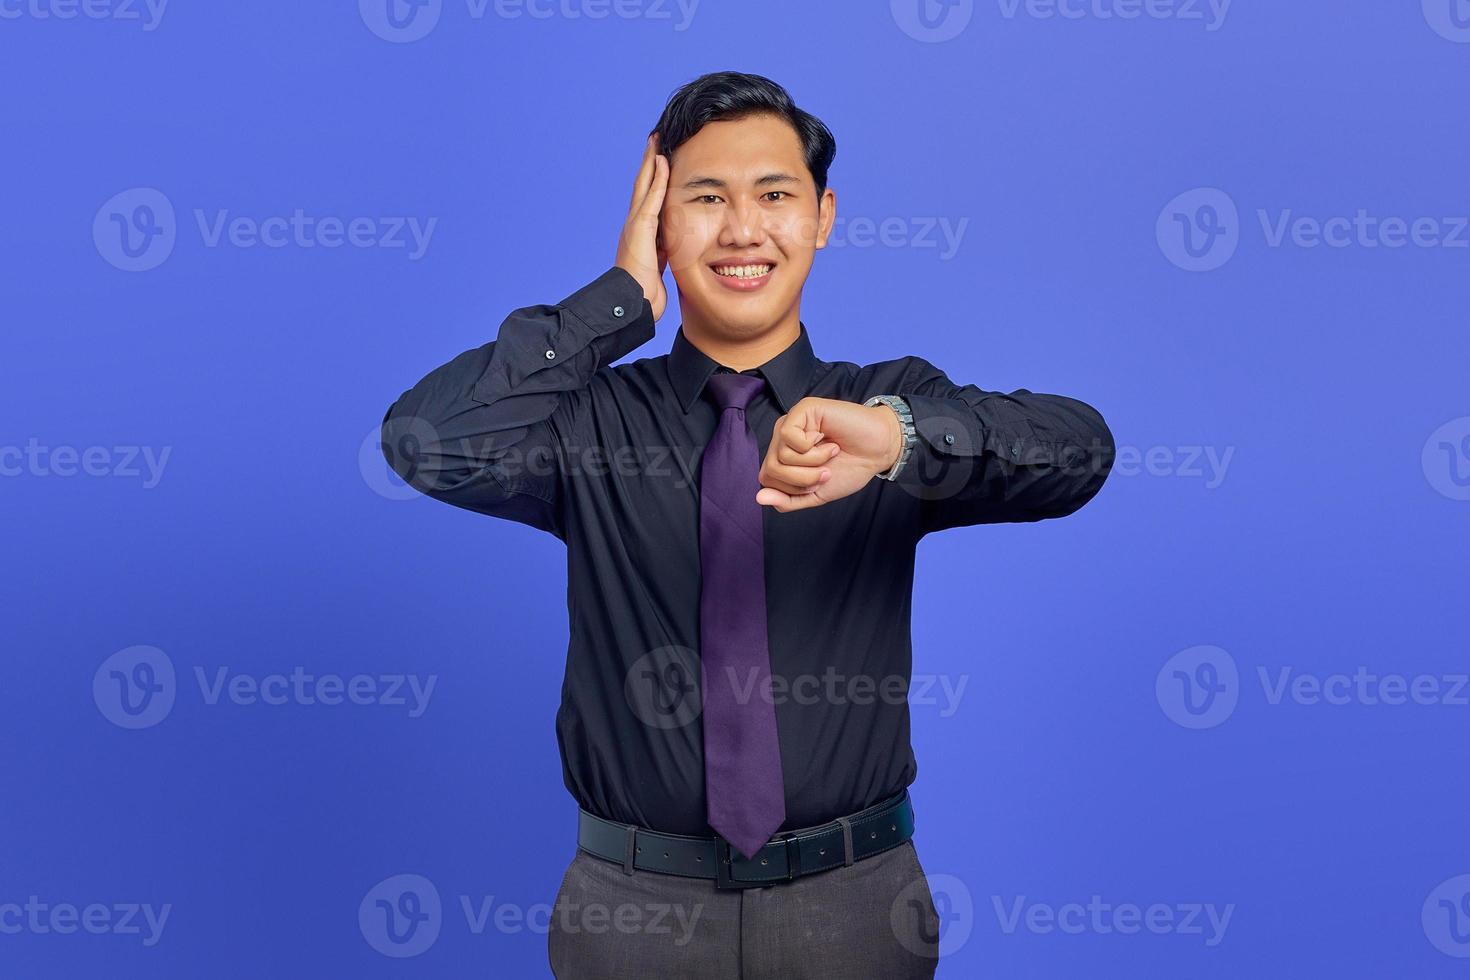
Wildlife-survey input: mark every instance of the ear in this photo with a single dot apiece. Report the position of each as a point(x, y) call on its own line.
point(826, 215)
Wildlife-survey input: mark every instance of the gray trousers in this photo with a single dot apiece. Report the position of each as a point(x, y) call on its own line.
point(874, 918)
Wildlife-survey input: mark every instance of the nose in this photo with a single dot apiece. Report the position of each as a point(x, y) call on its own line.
point(744, 225)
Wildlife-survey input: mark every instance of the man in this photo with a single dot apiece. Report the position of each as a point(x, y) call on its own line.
point(741, 519)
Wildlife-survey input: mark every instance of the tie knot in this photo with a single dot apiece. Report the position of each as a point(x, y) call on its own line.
point(734, 390)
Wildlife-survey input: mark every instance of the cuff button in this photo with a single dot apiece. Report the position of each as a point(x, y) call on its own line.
point(551, 355)
point(617, 311)
point(949, 438)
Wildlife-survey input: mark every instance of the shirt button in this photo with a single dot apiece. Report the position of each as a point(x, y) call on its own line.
point(949, 438)
point(551, 355)
point(617, 311)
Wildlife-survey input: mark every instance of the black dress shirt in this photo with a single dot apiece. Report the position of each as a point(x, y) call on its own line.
point(539, 427)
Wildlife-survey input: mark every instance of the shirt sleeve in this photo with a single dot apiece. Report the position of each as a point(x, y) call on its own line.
point(486, 430)
point(985, 457)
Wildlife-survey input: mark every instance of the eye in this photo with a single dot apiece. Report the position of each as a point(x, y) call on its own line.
point(708, 198)
point(779, 192)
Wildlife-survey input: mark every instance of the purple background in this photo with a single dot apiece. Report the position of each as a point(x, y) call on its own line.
point(1328, 536)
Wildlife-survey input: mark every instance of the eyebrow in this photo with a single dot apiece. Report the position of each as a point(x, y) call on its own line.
point(765, 181)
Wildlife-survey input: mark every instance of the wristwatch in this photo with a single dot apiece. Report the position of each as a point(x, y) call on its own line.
point(906, 422)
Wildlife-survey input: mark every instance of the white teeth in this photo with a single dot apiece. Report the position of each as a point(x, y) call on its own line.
point(743, 271)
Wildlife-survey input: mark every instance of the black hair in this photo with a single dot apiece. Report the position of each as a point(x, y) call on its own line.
point(730, 95)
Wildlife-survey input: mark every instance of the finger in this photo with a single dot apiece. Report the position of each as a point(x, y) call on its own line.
point(784, 502)
point(815, 456)
point(794, 479)
point(799, 438)
point(645, 175)
point(653, 202)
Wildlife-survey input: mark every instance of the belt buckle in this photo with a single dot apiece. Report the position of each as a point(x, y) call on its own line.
point(724, 856)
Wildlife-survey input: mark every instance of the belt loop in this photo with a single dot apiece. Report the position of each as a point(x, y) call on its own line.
point(629, 848)
point(846, 841)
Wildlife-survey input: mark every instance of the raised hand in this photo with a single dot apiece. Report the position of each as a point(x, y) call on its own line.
point(639, 250)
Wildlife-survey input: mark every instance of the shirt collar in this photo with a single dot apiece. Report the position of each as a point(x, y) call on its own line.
point(788, 374)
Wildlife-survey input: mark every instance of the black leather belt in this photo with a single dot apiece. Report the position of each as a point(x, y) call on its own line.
point(787, 856)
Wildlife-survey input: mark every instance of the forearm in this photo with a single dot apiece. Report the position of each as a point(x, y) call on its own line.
point(464, 432)
point(986, 457)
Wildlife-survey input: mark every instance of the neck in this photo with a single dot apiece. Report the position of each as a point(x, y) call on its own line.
point(743, 353)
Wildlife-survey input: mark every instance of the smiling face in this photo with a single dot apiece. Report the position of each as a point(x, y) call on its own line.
point(741, 222)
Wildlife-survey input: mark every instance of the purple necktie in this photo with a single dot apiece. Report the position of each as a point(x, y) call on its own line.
point(744, 788)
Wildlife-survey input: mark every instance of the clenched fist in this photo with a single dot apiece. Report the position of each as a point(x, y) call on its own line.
point(824, 449)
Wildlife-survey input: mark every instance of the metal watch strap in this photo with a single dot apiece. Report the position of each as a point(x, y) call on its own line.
point(906, 421)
